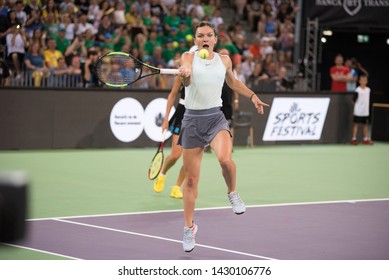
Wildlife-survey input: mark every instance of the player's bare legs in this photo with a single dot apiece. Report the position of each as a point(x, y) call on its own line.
point(175, 154)
point(192, 160)
point(222, 146)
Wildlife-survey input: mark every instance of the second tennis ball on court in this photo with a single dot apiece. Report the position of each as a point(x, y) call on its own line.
point(203, 53)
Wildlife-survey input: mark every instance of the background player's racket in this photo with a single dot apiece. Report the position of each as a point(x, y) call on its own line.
point(157, 161)
point(119, 69)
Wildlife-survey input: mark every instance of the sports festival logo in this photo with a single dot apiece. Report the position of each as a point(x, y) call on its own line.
point(293, 119)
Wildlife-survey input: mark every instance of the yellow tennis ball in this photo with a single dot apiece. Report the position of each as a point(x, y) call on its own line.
point(203, 53)
point(175, 44)
point(188, 38)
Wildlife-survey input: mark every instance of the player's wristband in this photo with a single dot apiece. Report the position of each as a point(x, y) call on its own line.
point(252, 96)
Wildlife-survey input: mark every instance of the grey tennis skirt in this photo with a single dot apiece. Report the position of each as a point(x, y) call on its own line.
point(199, 127)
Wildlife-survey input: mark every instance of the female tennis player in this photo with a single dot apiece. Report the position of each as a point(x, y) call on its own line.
point(204, 122)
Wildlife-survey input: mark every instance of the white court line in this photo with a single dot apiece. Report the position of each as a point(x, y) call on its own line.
point(41, 251)
point(212, 208)
point(163, 238)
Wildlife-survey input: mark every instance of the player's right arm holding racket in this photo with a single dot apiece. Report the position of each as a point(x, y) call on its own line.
point(185, 71)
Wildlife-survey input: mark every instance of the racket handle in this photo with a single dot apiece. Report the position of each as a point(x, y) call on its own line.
point(163, 135)
point(169, 71)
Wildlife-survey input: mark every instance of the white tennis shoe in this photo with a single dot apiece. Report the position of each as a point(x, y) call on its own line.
point(189, 238)
point(237, 203)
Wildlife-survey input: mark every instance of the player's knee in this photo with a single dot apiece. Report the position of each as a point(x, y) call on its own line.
point(225, 162)
point(191, 182)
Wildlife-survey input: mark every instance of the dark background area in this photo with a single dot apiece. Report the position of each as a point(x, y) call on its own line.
point(373, 56)
point(347, 20)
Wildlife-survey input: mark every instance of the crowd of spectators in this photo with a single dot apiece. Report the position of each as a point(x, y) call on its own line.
point(66, 37)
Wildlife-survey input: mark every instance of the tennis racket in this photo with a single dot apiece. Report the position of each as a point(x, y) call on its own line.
point(157, 161)
point(119, 69)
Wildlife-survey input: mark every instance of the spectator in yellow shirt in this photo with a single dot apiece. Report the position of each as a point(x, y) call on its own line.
point(51, 55)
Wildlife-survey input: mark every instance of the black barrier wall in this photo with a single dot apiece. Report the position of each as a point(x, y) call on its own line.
point(53, 118)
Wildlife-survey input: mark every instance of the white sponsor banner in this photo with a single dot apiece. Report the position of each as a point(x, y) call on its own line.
point(126, 119)
point(129, 119)
point(154, 116)
point(292, 119)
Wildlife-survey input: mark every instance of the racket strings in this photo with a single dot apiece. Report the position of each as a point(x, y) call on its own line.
point(156, 165)
point(119, 70)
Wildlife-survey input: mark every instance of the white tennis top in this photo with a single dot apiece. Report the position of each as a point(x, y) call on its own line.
point(205, 90)
point(361, 108)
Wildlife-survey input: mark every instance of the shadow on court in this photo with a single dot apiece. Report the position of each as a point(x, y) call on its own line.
point(355, 230)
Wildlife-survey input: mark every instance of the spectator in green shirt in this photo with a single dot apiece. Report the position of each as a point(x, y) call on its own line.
point(172, 20)
point(173, 34)
point(51, 26)
point(183, 30)
point(120, 38)
point(169, 51)
point(146, 18)
point(62, 42)
point(226, 43)
point(129, 3)
point(151, 42)
point(182, 46)
point(160, 34)
point(89, 38)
